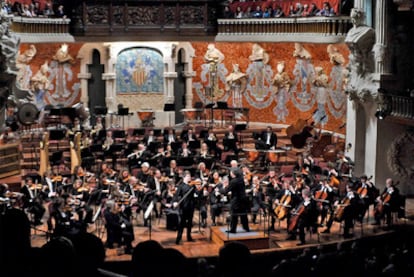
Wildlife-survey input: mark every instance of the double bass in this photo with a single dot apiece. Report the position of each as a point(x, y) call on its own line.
point(300, 131)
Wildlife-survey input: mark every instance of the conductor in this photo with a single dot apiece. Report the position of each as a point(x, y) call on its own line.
point(238, 202)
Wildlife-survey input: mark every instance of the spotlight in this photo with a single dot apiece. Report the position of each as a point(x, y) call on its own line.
point(380, 114)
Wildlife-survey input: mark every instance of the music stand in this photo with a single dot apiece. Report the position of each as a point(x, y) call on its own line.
point(138, 132)
point(153, 146)
point(57, 134)
point(185, 161)
point(157, 132)
point(169, 107)
point(221, 105)
point(101, 110)
point(123, 111)
point(175, 146)
point(194, 144)
point(148, 215)
point(120, 134)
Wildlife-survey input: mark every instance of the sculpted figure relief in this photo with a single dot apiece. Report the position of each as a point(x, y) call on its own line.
point(360, 40)
point(62, 54)
point(301, 52)
point(259, 54)
point(236, 82)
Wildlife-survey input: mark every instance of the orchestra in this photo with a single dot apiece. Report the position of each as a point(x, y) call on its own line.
point(305, 198)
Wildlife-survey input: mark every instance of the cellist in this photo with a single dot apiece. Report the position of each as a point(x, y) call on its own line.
point(386, 202)
point(367, 192)
point(285, 200)
point(324, 195)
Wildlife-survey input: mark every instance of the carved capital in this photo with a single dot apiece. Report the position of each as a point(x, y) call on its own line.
point(189, 74)
point(85, 76)
point(170, 75)
point(108, 76)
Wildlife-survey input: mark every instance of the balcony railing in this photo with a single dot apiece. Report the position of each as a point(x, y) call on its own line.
point(401, 106)
point(41, 29)
point(301, 29)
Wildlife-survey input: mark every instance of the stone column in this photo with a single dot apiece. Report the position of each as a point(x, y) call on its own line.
point(359, 4)
point(84, 77)
point(382, 64)
point(110, 98)
point(189, 88)
point(169, 78)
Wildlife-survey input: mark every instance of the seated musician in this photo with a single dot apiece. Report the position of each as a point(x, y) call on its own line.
point(149, 138)
point(304, 216)
point(345, 210)
point(170, 136)
point(343, 164)
point(146, 189)
point(202, 173)
point(230, 140)
point(387, 202)
point(184, 151)
point(211, 140)
point(160, 182)
point(50, 189)
point(75, 126)
point(324, 195)
point(217, 199)
point(61, 219)
point(138, 156)
point(284, 201)
point(269, 138)
point(172, 171)
point(108, 141)
point(32, 201)
point(367, 192)
point(257, 199)
point(119, 228)
point(189, 136)
point(79, 196)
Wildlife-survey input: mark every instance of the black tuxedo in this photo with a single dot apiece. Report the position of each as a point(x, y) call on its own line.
point(238, 203)
point(119, 229)
point(269, 139)
point(33, 204)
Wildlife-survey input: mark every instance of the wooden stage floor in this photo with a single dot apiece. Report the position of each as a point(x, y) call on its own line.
point(204, 246)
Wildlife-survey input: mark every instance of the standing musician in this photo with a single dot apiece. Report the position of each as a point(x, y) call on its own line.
point(32, 201)
point(387, 202)
point(257, 203)
point(216, 196)
point(119, 228)
point(238, 202)
point(345, 210)
point(184, 201)
point(268, 138)
point(367, 192)
point(305, 216)
point(324, 196)
point(160, 183)
point(203, 175)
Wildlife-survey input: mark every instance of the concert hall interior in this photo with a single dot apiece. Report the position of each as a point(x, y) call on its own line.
point(135, 134)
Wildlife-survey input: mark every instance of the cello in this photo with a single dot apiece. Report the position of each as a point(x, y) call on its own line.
point(293, 223)
point(283, 206)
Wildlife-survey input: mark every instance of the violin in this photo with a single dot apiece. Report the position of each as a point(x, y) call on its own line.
point(57, 178)
point(126, 179)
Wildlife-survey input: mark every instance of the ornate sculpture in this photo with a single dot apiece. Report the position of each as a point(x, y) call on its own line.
point(236, 82)
point(213, 57)
point(360, 40)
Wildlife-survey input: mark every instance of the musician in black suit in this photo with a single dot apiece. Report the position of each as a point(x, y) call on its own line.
point(306, 216)
point(239, 201)
point(31, 200)
point(185, 202)
point(211, 140)
point(230, 140)
point(368, 193)
point(119, 228)
point(138, 156)
point(269, 138)
point(346, 210)
point(387, 202)
point(170, 137)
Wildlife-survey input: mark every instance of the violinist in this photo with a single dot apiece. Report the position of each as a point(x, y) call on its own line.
point(79, 199)
point(305, 215)
point(184, 201)
point(387, 202)
point(49, 185)
point(217, 200)
point(160, 183)
point(146, 189)
point(324, 196)
point(119, 228)
point(367, 192)
point(345, 210)
point(31, 200)
point(61, 219)
point(123, 178)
